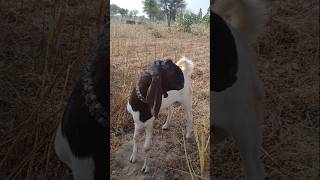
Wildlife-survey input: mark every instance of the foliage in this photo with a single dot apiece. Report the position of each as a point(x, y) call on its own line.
point(171, 7)
point(114, 9)
point(152, 8)
point(200, 15)
point(130, 14)
point(123, 12)
point(135, 13)
point(206, 18)
point(184, 21)
point(187, 19)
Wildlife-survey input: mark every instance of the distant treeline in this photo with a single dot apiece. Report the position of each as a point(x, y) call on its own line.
point(164, 10)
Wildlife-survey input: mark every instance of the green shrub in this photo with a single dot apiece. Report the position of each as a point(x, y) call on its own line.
point(184, 21)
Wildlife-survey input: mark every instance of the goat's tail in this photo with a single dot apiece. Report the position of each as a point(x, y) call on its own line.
point(186, 65)
point(248, 16)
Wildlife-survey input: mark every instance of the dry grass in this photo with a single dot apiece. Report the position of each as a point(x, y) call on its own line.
point(43, 44)
point(134, 46)
point(288, 62)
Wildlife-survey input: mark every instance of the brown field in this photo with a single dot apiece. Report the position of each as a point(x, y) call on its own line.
point(132, 47)
point(288, 62)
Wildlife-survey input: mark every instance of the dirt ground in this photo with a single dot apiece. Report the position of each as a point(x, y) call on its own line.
point(132, 47)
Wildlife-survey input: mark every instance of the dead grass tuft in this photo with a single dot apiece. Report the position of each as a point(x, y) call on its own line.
point(157, 34)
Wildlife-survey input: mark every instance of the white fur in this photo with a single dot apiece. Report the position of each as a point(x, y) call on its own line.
point(186, 65)
point(82, 168)
point(183, 96)
point(239, 108)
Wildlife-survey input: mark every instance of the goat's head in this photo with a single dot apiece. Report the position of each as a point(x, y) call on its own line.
point(172, 77)
point(165, 76)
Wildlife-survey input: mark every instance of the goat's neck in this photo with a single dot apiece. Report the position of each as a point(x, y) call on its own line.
point(100, 81)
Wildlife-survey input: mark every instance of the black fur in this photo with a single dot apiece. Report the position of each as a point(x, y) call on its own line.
point(223, 55)
point(171, 78)
point(85, 135)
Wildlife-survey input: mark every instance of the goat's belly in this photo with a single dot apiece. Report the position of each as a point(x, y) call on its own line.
point(173, 96)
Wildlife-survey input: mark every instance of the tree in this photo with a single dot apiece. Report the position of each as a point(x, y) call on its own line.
point(200, 15)
point(123, 12)
point(152, 8)
point(114, 9)
point(135, 13)
point(161, 16)
point(130, 14)
point(206, 18)
point(184, 21)
point(171, 7)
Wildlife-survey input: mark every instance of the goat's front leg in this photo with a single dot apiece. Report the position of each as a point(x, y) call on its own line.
point(187, 104)
point(137, 129)
point(147, 145)
point(167, 124)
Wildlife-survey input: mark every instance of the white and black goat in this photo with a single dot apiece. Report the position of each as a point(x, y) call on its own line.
point(161, 84)
point(236, 90)
point(81, 139)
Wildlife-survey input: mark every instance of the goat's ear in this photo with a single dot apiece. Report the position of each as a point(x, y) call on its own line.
point(154, 95)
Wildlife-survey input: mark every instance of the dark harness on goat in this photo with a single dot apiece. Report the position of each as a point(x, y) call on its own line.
point(96, 109)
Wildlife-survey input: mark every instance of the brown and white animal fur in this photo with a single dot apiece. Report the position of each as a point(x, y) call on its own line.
point(183, 96)
point(81, 138)
point(238, 109)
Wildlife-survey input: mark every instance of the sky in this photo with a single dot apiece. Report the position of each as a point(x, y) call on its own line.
point(193, 5)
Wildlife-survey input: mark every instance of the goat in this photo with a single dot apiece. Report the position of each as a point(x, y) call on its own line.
point(80, 140)
point(236, 90)
point(161, 84)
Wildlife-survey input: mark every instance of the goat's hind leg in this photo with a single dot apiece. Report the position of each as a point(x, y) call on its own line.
point(187, 105)
point(169, 116)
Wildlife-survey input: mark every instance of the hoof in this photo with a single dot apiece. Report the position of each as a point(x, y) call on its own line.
point(133, 159)
point(164, 127)
point(145, 169)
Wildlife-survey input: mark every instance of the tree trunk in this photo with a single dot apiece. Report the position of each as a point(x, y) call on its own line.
point(173, 15)
point(168, 20)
